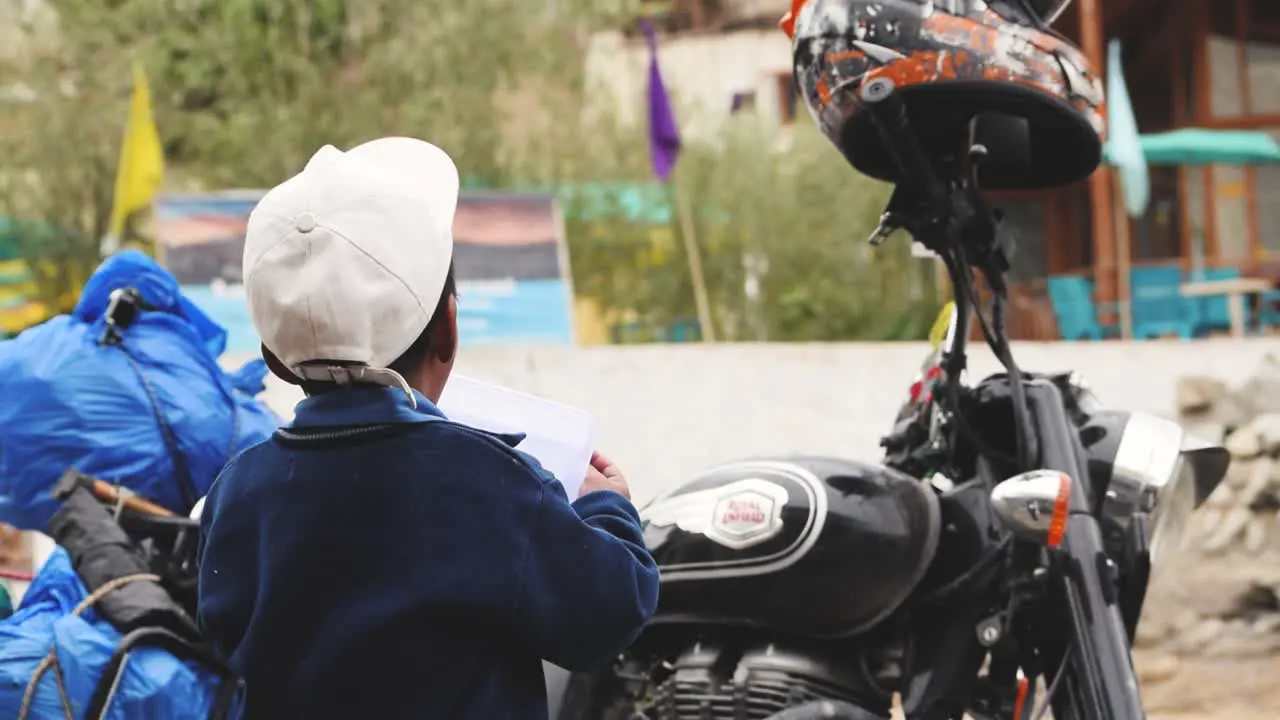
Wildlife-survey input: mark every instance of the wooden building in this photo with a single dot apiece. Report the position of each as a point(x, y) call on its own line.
point(1187, 63)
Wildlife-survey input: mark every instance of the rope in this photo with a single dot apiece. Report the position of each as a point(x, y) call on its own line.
point(51, 660)
point(185, 483)
point(122, 496)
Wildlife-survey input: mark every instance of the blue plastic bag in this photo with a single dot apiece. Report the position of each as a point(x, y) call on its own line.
point(154, 684)
point(71, 402)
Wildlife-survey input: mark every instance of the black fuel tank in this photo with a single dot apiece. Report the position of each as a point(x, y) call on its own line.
point(802, 545)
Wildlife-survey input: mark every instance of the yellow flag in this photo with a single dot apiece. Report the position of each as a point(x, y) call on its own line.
point(141, 157)
point(940, 326)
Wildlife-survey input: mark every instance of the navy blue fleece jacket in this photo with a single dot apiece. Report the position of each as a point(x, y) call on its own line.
point(376, 560)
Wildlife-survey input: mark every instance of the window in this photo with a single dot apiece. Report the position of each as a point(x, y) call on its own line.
point(788, 98)
point(1157, 235)
point(1262, 56)
point(1231, 211)
point(1225, 97)
point(743, 102)
point(1262, 72)
point(1027, 220)
point(1267, 182)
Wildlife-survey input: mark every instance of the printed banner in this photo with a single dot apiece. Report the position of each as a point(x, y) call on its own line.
point(512, 266)
point(509, 258)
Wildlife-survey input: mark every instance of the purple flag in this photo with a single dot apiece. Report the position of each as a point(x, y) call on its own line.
point(664, 136)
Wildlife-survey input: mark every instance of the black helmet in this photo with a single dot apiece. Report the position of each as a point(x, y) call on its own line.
point(950, 60)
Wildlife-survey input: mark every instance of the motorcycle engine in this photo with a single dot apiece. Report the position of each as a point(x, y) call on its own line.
point(712, 683)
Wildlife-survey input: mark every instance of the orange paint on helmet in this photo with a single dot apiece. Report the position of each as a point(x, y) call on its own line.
point(824, 91)
point(788, 21)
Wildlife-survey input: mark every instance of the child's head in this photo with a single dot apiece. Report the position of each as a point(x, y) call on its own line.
point(348, 268)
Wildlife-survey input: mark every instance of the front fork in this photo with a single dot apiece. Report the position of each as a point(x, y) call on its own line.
point(1086, 627)
point(1099, 680)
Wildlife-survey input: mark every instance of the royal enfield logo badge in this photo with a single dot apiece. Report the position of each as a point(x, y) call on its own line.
point(737, 516)
point(743, 514)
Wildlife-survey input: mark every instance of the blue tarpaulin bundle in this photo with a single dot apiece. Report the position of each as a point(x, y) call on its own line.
point(154, 685)
point(153, 412)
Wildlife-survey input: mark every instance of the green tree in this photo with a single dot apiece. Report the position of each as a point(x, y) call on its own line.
point(246, 90)
point(59, 142)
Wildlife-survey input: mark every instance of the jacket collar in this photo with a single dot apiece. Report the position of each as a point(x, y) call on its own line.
point(374, 405)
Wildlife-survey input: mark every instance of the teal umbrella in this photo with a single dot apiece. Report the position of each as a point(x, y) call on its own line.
point(1199, 146)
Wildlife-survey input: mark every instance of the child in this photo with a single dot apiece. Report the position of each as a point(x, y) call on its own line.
point(373, 559)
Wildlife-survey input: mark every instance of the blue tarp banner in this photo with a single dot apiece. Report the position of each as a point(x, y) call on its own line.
point(71, 401)
point(154, 685)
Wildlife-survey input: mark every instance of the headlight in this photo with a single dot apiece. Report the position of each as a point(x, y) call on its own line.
point(1155, 469)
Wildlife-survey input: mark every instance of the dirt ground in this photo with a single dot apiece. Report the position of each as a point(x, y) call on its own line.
point(1224, 673)
point(1215, 689)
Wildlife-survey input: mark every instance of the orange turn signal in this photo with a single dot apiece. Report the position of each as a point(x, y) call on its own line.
point(1061, 504)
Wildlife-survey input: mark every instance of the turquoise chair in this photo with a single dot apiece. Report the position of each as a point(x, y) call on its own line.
point(1269, 308)
point(1214, 312)
point(1075, 310)
point(1158, 305)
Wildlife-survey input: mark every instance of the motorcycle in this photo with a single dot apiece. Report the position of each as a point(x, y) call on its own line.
point(1004, 544)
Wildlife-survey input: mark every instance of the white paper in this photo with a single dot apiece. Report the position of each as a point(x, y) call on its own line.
point(561, 437)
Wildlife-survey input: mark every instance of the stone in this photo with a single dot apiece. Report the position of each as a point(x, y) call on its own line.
point(1254, 601)
point(1241, 643)
point(1256, 534)
point(1225, 602)
point(1238, 473)
point(1262, 391)
point(1158, 668)
point(1267, 625)
point(1222, 497)
point(1206, 520)
point(1268, 428)
point(1197, 637)
point(1233, 523)
point(1245, 443)
point(1151, 632)
point(1259, 481)
point(1197, 395)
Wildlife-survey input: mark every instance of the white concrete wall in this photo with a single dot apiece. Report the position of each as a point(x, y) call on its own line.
point(666, 412)
point(701, 72)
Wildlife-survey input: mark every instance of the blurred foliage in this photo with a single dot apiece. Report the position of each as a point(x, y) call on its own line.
point(246, 90)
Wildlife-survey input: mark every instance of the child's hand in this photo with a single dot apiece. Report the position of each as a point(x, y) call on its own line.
point(604, 475)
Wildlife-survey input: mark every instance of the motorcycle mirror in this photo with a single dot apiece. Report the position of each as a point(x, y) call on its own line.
point(1033, 505)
